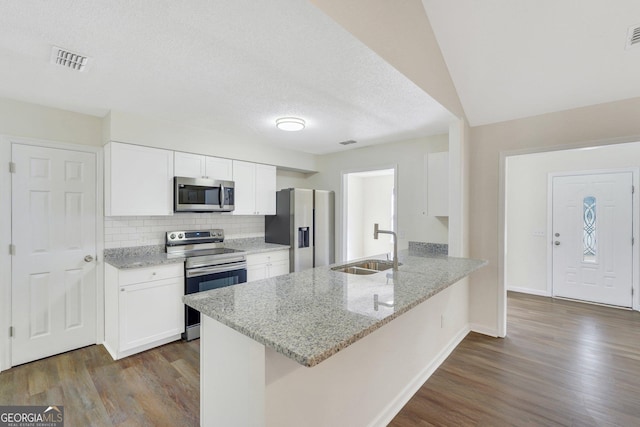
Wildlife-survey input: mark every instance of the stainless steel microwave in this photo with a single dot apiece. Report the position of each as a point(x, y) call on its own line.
point(203, 195)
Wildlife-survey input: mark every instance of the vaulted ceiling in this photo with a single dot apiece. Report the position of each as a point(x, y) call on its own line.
point(237, 65)
point(510, 59)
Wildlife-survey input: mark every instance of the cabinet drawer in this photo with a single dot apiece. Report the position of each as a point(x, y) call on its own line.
point(146, 274)
point(267, 257)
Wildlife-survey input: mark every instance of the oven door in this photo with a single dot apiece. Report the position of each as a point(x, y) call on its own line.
point(204, 279)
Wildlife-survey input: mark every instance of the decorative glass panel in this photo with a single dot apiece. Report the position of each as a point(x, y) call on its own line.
point(589, 229)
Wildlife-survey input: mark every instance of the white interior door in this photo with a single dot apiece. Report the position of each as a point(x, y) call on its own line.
point(54, 238)
point(592, 237)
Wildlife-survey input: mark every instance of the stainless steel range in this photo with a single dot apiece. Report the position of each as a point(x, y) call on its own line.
point(209, 265)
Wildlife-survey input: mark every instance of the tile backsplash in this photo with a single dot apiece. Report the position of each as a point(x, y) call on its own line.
point(120, 232)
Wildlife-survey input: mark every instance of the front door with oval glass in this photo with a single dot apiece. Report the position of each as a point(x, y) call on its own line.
point(592, 237)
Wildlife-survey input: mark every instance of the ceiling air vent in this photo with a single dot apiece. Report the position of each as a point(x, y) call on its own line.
point(351, 141)
point(633, 36)
point(68, 59)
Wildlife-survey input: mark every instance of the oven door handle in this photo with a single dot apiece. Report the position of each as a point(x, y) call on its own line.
point(195, 272)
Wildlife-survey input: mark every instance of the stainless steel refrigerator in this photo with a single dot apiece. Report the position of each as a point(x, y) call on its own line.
point(304, 220)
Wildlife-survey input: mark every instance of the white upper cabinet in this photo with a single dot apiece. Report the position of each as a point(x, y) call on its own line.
point(198, 166)
point(255, 188)
point(265, 189)
point(138, 180)
point(438, 184)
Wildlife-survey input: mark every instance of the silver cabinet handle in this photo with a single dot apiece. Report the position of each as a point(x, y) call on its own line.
point(88, 258)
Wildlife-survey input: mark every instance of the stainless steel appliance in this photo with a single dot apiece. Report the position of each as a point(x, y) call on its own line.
point(203, 195)
point(208, 265)
point(304, 220)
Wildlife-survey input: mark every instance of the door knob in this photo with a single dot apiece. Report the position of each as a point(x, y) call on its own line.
point(88, 258)
point(556, 243)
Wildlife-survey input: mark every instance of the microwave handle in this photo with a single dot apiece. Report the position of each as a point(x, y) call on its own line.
point(221, 196)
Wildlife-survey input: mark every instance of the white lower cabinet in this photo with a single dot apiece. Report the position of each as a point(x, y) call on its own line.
point(143, 308)
point(267, 264)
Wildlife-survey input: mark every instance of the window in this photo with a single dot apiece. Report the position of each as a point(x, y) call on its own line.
point(590, 244)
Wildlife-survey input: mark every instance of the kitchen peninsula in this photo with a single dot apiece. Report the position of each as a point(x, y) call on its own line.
point(323, 347)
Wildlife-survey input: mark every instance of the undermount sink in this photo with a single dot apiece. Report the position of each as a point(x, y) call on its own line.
point(368, 266)
point(354, 270)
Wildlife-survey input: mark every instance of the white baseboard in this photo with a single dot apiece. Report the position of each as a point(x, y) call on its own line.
point(394, 407)
point(481, 329)
point(529, 291)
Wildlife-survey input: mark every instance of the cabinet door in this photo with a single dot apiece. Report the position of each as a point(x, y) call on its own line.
point(244, 175)
point(138, 180)
point(265, 189)
point(278, 268)
point(218, 168)
point(189, 165)
point(256, 272)
point(150, 311)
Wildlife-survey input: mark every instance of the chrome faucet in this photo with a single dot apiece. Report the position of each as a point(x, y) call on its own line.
point(377, 231)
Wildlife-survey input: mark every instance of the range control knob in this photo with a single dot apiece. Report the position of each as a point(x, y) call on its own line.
point(172, 236)
point(180, 236)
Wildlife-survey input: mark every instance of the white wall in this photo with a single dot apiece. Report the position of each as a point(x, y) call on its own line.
point(377, 191)
point(614, 122)
point(413, 222)
point(369, 202)
point(39, 122)
point(526, 204)
point(291, 179)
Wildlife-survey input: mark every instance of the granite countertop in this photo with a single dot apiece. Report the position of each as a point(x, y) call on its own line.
point(149, 256)
point(310, 315)
point(253, 245)
point(139, 256)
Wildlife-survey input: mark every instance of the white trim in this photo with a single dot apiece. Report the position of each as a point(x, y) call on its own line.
point(481, 329)
point(344, 237)
point(635, 218)
point(100, 303)
point(394, 407)
point(501, 330)
point(529, 291)
point(6, 143)
point(5, 258)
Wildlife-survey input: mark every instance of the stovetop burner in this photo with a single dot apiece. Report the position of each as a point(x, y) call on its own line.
point(202, 248)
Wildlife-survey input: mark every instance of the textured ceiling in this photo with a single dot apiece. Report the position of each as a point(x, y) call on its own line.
point(517, 58)
point(233, 65)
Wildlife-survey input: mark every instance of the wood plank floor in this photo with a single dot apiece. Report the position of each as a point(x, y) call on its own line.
point(160, 387)
point(563, 363)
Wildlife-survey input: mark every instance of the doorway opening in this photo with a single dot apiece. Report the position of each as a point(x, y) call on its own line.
point(369, 198)
point(527, 237)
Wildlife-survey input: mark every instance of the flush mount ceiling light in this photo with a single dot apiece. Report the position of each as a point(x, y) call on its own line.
point(290, 124)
